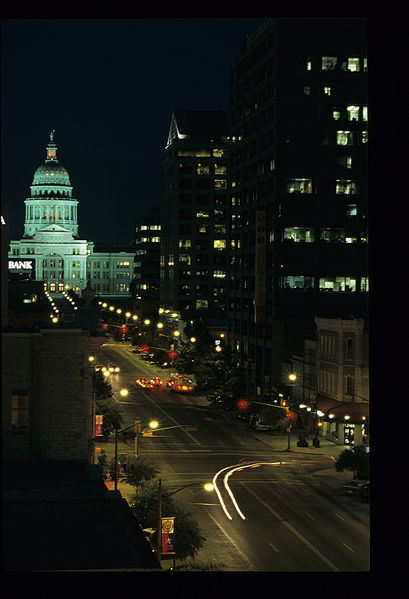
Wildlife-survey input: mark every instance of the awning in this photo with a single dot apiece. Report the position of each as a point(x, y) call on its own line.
point(358, 412)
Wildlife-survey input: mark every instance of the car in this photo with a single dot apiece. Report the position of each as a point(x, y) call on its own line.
point(357, 487)
point(180, 384)
point(213, 395)
point(156, 382)
point(144, 383)
point(113, 368)
point(260, 425)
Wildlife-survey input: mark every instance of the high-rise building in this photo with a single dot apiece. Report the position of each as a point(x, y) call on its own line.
point(194, 216)
point(145, 286)
point(298, 231)
point(51, 249)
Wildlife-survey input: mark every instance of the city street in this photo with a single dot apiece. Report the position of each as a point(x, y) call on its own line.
point(287, 513)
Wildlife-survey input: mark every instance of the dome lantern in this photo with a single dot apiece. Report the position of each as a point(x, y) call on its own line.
point(51, 149)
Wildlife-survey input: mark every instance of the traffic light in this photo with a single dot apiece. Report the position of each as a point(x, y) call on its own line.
point(283, 403)
point(319, 424)
point(242, 404)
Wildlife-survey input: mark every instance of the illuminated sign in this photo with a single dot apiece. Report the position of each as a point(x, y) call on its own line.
point(3, 222)
point(21, 265)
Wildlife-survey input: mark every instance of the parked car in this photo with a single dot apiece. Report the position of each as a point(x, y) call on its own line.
point(260, 425)
point(357, 487)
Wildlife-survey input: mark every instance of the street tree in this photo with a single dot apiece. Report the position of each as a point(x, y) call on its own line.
point(138, 470)
point(188, 537)
point(355, 460)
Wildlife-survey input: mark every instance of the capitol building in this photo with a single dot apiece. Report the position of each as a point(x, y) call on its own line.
point(51, 248)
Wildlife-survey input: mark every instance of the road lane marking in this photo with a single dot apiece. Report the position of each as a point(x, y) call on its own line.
point(274, 547)
point(312, 517)
point(232, 542)
point(338, 516)
point(294, 531)
point(171, 418)
point(348, 547)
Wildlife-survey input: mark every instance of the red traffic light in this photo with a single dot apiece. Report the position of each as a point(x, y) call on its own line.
point(242, 404)
point(283, 403)
point(290, 414)
point(104, 325)
point(144, 349)
point(172, 354)
point(124, 329)
point(319, 424)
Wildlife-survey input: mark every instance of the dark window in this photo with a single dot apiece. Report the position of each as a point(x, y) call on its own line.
point(19, 410)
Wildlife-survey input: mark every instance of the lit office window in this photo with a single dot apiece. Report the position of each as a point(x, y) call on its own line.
point(203, 169)
point(353, 113)
point(345, 138)
point(352, 210)
point(297, 282)
point(328, 63)
point(298, 185)
point(220, 184)
point(337, 284)
point(353, 64)
point(219, 244)
point(345, 186)
point(332, 235)
point(299, 234)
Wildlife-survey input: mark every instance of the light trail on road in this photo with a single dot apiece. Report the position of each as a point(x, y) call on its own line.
point(232, 470)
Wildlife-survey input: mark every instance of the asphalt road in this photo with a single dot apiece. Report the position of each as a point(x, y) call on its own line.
point(294, 516)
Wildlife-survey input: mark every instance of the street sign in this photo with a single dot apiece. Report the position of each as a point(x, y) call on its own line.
point(172, 354)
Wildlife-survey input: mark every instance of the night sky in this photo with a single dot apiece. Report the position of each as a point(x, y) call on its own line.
point(108, 87)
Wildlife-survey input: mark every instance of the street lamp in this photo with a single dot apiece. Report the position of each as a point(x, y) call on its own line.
point(136, 424)
point(292, 378)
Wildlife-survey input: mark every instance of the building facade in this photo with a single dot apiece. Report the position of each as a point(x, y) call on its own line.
point(342, 358)
point(51, 246)
point(146, 283)
point(44, 417)
point(298, 170)
point(194, 215)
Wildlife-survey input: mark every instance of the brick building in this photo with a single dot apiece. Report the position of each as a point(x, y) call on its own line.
point(47, 393)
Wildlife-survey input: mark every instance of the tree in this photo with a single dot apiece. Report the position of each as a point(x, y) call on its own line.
point(188, 538)
point(105, 404)
point(138, 471)
point(355, 460)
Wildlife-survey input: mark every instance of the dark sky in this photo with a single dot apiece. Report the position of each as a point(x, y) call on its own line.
point(108, 88)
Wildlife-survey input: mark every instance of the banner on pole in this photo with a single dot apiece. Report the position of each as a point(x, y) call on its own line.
point(168, 533)
point(98, 425)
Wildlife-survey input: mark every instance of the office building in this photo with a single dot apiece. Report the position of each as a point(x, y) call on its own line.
point(298, 171)
point(194, 216)
point(145, 285)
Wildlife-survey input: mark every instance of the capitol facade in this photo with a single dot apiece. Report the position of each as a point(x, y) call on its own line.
point(51, 248)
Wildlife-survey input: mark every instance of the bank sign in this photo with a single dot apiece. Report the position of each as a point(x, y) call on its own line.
point(26, 266)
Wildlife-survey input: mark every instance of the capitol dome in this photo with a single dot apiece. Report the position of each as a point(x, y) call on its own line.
point(50, 172)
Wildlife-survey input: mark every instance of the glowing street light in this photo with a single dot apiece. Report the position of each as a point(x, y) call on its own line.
point(292, 377)
point(176, 333)
point(218, 348)
point(193, 339)
point(146, 321)
point(91, 358)
point(160, 325)
point(123, 392)
point(134, 317)
point(154, 424)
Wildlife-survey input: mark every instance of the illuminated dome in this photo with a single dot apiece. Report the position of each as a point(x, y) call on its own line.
point(51, 173)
